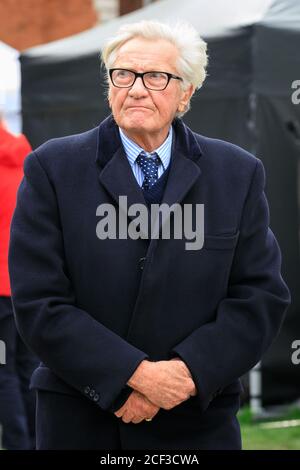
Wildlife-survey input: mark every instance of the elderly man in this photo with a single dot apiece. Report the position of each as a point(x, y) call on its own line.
point(143, 338)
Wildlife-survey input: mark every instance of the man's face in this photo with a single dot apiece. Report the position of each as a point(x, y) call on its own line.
point(137, 109)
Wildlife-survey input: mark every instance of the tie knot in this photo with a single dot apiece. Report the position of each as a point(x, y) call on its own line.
point(151, 158)
point(149, 165)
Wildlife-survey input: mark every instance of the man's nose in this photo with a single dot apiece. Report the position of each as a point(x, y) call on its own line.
point(138, 88)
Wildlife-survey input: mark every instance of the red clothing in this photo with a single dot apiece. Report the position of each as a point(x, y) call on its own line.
point(13, 150)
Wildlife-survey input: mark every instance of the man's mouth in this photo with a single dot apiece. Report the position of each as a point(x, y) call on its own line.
point(137, 107)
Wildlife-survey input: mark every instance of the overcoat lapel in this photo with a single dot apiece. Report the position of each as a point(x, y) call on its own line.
point(116, 175)
point(184, 172)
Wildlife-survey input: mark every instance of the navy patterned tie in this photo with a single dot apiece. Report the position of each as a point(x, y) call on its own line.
point(149, 166)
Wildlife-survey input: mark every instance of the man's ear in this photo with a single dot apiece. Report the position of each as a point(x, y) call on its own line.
point(186, 96)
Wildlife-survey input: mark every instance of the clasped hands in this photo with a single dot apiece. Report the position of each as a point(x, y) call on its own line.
point(161, 384)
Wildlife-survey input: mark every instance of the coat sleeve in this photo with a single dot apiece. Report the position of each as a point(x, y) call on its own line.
point(249, 318)
point(77, 348)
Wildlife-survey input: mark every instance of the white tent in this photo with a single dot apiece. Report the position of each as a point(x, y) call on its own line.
point(10, 87)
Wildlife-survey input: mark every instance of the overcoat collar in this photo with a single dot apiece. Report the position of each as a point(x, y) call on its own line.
point(116, 175)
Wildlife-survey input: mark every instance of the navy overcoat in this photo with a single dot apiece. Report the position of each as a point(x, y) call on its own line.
point(93, 309)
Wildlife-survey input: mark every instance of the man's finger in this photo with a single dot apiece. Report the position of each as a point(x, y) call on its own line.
point(120, 412)
point(137, 419)
point(127, 417)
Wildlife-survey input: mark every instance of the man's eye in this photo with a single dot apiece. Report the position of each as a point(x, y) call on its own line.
point(122, 73)
point(155, 75)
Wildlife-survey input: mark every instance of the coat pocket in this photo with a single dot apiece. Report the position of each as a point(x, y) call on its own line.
point(221, 242)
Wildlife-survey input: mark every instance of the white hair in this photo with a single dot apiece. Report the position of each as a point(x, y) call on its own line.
point(192, 60)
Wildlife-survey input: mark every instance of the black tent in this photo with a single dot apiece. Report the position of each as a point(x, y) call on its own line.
point(254, 57)
point(276, 66)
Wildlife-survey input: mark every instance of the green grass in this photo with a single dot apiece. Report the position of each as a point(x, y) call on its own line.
point(254, 437)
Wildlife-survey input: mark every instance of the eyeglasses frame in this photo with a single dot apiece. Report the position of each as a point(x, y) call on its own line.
point(141, 74)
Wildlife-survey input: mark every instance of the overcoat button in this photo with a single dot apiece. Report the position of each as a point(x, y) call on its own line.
point(141, 263)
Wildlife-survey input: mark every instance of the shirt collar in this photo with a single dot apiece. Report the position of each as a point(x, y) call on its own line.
point(133, 150)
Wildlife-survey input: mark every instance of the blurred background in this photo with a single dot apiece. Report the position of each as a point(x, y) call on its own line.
point(52, 84)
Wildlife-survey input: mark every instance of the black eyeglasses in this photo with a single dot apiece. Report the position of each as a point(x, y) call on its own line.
point(158, 81)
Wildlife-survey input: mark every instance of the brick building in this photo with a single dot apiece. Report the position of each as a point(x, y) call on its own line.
point(26, 23)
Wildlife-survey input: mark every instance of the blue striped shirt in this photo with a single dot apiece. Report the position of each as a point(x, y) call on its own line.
point(133, 150)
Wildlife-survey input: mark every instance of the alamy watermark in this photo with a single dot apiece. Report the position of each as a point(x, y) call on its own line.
point(2, 352)
point(296, 93)
point(188, 222)
point(296, 354)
